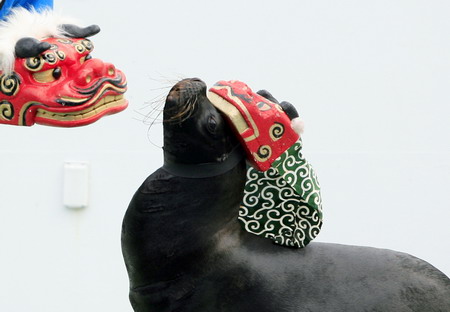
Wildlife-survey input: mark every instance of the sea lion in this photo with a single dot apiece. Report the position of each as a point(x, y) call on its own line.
point(185, 250)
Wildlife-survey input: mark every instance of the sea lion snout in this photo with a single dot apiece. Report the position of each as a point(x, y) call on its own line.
point(185, 89)
point(183, 100)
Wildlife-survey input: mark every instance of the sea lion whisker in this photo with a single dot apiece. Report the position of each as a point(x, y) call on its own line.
point(155, 110)
point(154, 122)
point(156, 107)
point(186, 112)
point(190, 108)
point(170, 81)
point(164, 84)
point(145, 118)
point(160, 88)
point(157, 101)
point(156, 104)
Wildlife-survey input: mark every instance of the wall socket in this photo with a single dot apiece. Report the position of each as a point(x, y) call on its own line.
point(76, 184)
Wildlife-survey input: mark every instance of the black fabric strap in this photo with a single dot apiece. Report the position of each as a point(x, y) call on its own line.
point(204, 170)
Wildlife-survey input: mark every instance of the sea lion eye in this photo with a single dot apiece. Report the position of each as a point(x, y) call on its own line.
point(212, 124)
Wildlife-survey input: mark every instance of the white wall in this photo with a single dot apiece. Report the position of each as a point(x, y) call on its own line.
point(369, 77)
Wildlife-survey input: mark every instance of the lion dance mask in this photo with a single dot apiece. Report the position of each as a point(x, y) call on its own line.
point(55, 81)
point(282, 199)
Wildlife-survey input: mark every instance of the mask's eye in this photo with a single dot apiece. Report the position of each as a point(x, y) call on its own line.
point(48, 75)
point(57, 73)
point(212, 124)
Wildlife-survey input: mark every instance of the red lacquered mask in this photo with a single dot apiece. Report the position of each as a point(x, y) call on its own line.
point(262, 126)
point(62, 86)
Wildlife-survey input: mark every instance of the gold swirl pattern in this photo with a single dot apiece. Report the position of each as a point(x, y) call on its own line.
point(264, 152)
point(65, 41)
point(34, 63)
point(276, 131)
point(79, 48)
point(61, 55)
point(50, 58)
point(284, 202)
point(9, 84)
point(87, 44)
point(6, 111)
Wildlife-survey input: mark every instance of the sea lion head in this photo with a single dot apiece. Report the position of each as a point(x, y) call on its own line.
point(194, 130)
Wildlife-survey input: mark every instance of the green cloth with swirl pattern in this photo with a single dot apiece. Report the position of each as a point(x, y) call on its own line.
point(284, 202)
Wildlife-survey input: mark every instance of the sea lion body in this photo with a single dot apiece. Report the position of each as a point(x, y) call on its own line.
point(185, 250)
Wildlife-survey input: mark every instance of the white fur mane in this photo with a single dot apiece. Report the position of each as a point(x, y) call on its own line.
point(27, 23)
point(298, 125)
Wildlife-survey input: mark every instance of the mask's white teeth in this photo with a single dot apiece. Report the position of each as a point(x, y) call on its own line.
point(73, 100)
point(102, 105)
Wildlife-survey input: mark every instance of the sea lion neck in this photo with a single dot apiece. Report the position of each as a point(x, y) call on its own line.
point(186, 221)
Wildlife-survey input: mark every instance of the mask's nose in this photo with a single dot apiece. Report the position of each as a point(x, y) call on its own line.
point(93, 70)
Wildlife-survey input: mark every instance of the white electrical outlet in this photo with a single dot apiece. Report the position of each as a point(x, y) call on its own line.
point(76, 185)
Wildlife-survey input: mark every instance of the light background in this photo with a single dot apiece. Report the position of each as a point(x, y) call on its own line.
point(370, 78)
